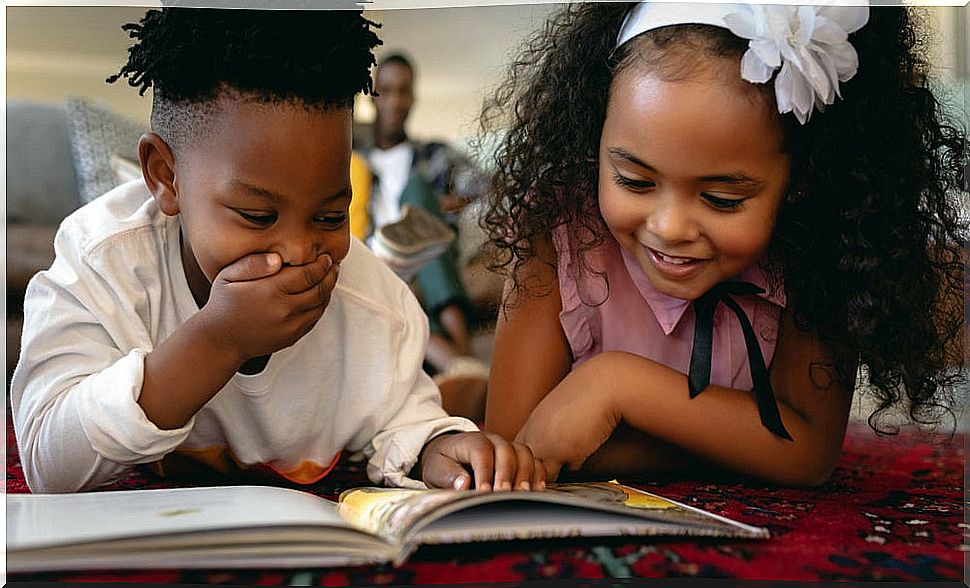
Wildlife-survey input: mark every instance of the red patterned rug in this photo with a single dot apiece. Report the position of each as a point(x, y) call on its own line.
point(893, 511)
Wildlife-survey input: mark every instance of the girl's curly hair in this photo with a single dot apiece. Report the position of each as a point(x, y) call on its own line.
point(190, 56)
point(868, 241)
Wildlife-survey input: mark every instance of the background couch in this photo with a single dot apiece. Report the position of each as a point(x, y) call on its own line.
point(59, 156)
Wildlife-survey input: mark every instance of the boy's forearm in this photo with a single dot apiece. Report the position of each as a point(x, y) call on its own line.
point(184, 372)
point(720, 425)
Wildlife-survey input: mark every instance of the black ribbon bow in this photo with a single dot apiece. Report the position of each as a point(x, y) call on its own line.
point(699, 374)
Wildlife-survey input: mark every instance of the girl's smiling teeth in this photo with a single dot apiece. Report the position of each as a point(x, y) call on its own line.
point(670, 258)
point(674, 260)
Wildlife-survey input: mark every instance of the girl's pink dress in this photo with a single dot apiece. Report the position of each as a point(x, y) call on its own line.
point(631, 315)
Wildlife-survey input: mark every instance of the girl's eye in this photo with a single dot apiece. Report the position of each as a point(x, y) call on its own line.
point(630, 183)
point(332, 221)
point(723, 203)
point(258, 219)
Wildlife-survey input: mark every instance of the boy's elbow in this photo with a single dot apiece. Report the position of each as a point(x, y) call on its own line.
point(52, 474)
point(41, 481)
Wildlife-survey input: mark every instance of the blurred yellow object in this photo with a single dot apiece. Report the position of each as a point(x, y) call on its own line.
point(360, 183)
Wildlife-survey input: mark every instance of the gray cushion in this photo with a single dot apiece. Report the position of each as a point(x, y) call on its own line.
point(41, 183)
point(104, 145)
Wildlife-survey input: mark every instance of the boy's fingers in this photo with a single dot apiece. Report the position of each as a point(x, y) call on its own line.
point(251, 267)
point(538, 475)
point(327, 285)
point(448, 473)
point(524, 471)
point(506, 462)
point(318, 296)
point(481, 456)
point(301, 278)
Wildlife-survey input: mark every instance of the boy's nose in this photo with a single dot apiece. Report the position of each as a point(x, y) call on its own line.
point(300, 249)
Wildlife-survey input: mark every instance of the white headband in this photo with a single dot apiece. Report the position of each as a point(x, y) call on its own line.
point(809, 43)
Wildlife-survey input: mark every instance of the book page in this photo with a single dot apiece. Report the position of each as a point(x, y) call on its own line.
point(389, 512)
point(398, 514)
point(37, 520)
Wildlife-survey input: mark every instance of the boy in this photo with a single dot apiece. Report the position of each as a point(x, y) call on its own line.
point(198, 314)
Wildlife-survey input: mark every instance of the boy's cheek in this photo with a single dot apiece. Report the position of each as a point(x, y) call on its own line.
point(340, 252)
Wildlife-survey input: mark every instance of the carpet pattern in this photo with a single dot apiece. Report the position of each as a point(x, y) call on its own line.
point(893, 510)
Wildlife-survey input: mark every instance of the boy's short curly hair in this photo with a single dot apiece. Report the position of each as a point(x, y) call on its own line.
point(191, 56)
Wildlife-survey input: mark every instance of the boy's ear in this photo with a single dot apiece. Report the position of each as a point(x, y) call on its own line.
point(158, 170)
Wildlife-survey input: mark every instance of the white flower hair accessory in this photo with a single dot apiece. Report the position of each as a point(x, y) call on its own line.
point(809, 43)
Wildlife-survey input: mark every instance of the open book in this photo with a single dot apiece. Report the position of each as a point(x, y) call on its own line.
point(261, 526)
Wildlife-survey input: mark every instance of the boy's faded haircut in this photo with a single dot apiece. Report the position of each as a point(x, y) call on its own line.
point(192, 56)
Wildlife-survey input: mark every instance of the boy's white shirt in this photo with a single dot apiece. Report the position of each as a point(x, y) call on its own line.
point(117, 288)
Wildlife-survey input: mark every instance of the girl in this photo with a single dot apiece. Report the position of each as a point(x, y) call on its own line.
point(711, 216)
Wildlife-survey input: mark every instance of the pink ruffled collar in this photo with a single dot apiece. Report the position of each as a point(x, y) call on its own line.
point(670, 310)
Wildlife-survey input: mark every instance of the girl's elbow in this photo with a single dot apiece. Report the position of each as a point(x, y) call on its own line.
point(813, 478)
point(811, 472)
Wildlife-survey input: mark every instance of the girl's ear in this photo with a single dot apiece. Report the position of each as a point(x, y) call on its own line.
point(158, 170)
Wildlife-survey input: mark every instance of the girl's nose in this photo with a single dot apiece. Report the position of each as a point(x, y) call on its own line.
point(671, 221)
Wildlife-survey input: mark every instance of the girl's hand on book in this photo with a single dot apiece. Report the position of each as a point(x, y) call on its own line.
point(574, 419)
point(495, 463)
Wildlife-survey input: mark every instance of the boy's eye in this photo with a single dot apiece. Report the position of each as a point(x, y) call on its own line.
point(630, 183)
point(258, 218)
point(723, 203)
point(332, 221)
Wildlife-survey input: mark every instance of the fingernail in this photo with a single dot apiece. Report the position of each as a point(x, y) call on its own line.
point(328, 259)
point(459, 483)
point(542, 485)
point(504, 486)
point(485, 487)
point(272, 259)
point(525, 486)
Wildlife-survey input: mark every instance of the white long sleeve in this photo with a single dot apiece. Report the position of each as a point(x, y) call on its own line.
point(86, 332)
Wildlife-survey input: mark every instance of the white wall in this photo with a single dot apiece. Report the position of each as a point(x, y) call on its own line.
point(55, 51)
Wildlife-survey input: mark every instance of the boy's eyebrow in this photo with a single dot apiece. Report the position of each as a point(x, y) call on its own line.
point(737, 179)
point(275, 198)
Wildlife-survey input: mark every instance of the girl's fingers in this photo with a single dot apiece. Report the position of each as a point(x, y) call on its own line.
point(552, 469)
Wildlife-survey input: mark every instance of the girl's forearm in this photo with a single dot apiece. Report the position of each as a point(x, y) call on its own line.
point(630, 451)
point(721, 425)
point(183, 373)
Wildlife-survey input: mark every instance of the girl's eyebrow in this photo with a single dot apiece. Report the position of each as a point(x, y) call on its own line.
point(275, 198)
point(629, 157)
point(734, 179)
